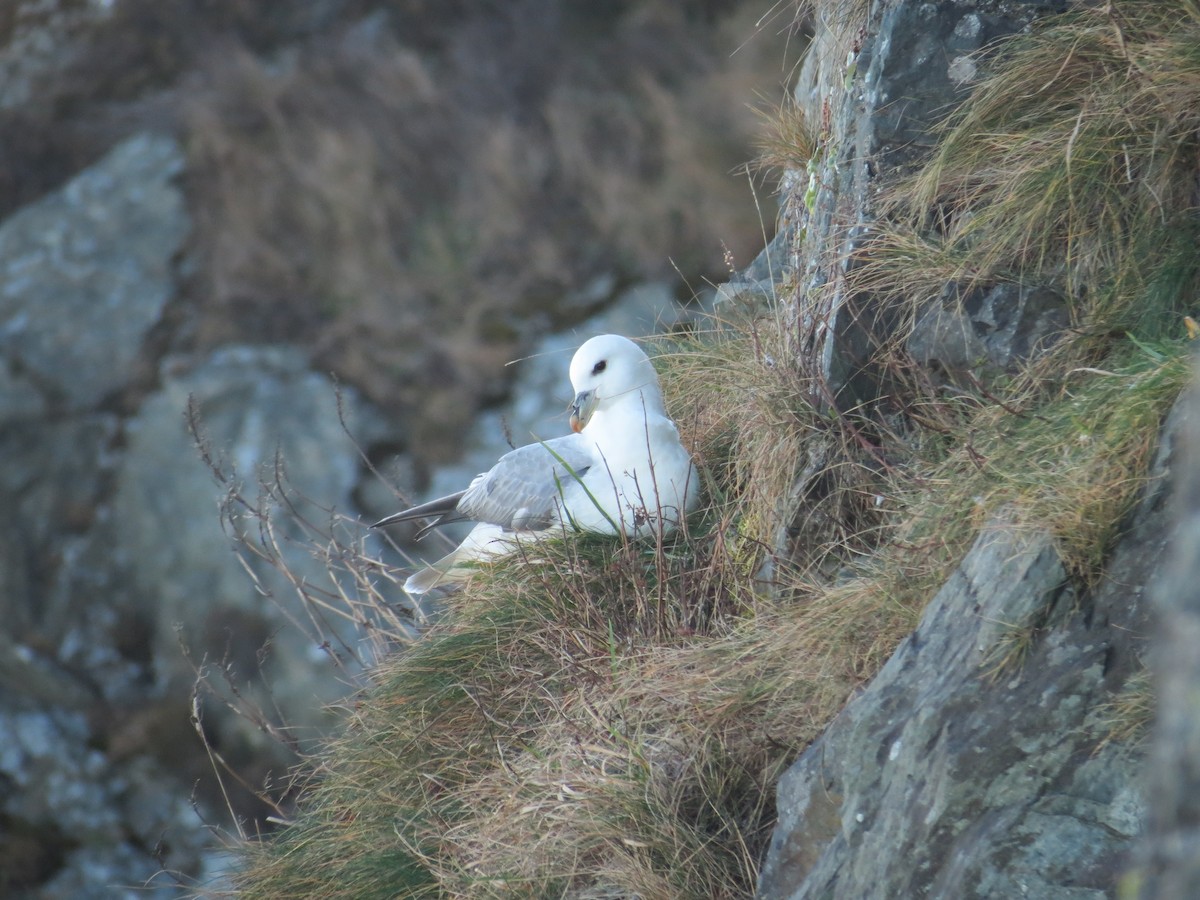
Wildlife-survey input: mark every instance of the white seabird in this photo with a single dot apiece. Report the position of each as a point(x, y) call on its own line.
point(622, 470)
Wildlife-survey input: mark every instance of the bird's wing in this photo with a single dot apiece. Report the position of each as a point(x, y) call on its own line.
point(522, 490)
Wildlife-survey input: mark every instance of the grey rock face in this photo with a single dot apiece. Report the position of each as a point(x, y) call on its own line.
point(256, 405)
point(85, 273)
point(919, 64)
point(877, 90)
point(1169, 855)
point(986, 330)
point(758, 286)
point(41, 42)
point(60, 792)
point(953, 777)
point(880, 90)
point(114, 551)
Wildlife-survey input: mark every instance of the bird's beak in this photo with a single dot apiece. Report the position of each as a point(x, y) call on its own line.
point(582, 409)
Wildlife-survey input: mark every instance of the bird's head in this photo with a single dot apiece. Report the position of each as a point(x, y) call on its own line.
point(607, 370)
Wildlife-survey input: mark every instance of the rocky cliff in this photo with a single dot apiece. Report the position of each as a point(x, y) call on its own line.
point(952, 774)
point(909, 648)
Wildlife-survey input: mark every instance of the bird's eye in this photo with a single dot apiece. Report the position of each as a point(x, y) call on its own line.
point(599, 367)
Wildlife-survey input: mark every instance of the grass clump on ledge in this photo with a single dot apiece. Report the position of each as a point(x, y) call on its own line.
point(1073, 164)
point(600, 718)
point(604, 718)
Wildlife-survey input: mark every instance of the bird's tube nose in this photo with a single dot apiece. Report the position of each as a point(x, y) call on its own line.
point(582, 408)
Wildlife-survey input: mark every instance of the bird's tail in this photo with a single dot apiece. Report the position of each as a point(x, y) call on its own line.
point(438, 574)
point(484, 542)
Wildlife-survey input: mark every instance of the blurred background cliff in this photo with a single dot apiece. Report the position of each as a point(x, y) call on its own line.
point(329, 225)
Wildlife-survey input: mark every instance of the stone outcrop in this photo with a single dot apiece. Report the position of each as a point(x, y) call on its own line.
point(115, 556)
point(973, 766)
point(86, 273)
point(1168, 857)
point(976, 334)
point(258, 407)
point(871, 90)
point(877, 90)
point(975, 763)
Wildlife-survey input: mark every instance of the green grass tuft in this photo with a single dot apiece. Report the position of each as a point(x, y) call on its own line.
point(1074, 164)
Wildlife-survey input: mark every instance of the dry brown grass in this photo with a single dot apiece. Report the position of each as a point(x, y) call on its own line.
point(1128, 716)
point(793, 472)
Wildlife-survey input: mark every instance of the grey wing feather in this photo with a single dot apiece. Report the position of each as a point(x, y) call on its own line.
point(521, 491)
